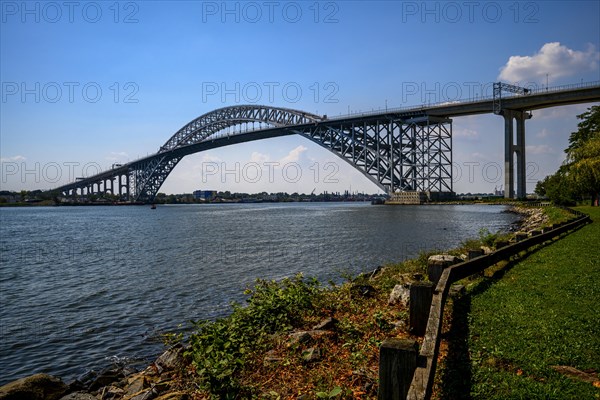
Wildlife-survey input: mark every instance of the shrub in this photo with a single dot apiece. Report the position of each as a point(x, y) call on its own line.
point(221, 348)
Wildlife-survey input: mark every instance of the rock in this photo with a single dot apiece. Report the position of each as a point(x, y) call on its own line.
point(362, 291)
point(162, 386)
point(79, 396)
point(106, 377)
point(136, 384)
point(83, 381)
point(299, 337)
point(151, 370)
point(312, 354)
point(326, 324)
point(110, 392)
point(34, 387)
point(400, 294)
point(170, 359)
point(307, 336)
point(147, 394)
point(486, 250)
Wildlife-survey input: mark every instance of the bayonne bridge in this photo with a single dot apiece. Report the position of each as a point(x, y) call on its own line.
point(400, 149)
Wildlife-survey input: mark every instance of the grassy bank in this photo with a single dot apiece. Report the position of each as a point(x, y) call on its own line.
point(539, 312)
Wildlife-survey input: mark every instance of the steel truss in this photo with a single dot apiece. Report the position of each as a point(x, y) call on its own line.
point(396, 152)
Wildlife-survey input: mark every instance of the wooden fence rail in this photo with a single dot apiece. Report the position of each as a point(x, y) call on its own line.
point(421, 384)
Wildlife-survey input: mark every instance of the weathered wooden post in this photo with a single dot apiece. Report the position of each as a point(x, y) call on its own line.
point(436, 265)
point(501, 243)
point(519, 236)
point(474, 253)
point(421, 294)
point(397, 364)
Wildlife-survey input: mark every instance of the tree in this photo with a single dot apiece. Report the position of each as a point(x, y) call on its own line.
point(584, 170)
point(588, 127)
point(559, 188)
point(580, 173)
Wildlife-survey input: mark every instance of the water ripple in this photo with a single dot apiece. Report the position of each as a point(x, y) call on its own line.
point(81, 287)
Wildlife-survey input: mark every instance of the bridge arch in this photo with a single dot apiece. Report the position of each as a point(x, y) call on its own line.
point(215, 121)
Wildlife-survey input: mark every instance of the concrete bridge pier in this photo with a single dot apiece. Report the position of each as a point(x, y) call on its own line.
point(514, 152)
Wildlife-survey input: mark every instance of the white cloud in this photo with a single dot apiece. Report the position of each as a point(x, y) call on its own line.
point(293, 155)
point(553, 59)
point(258, 157)
point(13, 159)
point(539, 149)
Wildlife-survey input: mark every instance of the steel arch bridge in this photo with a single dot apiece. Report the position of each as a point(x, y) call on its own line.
point(402, 151)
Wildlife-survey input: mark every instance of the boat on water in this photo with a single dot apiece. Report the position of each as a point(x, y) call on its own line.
point(153, 207)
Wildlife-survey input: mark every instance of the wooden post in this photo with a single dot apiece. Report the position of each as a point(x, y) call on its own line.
point(474, 253)
point(436, 265)
point(501, 243)
point(519, 236)
point(397, 364)
point(421, 294)
point(434, 271)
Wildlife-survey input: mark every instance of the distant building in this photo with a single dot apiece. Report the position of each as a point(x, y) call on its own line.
point(411, 197)
point(414, 197)
point(205, 195)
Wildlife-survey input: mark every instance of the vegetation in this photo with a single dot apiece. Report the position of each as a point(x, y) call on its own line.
point(508, 333)
point(579, 176)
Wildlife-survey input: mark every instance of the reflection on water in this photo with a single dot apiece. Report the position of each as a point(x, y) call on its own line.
point(79, 285)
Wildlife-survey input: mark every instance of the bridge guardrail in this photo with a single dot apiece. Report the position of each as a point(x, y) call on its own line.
point(468, 100)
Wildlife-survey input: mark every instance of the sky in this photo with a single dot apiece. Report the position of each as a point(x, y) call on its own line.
point(85, 85)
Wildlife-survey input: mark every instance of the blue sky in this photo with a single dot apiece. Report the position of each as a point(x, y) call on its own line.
point(89, 84)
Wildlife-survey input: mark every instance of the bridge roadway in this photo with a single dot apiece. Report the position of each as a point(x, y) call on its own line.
point(513, 108)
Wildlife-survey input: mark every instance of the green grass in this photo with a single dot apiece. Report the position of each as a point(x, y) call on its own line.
point(556, 215)
point(542, 311)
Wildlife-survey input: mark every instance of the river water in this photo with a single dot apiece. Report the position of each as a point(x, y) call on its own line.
point(81, 287)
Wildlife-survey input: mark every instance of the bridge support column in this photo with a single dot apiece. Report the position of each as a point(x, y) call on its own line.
point(514, 151)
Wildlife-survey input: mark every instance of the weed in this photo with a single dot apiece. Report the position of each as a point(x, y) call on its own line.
point(220, 349)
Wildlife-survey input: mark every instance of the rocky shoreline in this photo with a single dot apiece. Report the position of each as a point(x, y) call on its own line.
point(161, 380)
